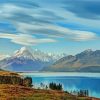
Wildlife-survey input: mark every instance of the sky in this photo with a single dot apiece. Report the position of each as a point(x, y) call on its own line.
point(56, 26)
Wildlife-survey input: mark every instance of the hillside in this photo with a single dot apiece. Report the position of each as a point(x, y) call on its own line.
point(86, 61)
point(15, 92)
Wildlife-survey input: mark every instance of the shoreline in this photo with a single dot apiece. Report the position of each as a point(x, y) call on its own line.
point(69, 74)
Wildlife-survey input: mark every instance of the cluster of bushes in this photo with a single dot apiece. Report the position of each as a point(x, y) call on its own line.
point(80, 93)
point(11, 80)
point(83, 93)
point(55, 86)
point(27, 82)
point(16, 80)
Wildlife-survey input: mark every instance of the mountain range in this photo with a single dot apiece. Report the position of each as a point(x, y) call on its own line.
point(26, 59)
point(86, 61)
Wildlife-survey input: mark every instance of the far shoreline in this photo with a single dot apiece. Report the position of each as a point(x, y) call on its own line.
point(52, 72)
point(58, 74)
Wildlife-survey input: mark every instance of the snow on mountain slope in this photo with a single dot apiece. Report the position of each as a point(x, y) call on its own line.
point(34, 55)
point(23, 53)
point(26, 59)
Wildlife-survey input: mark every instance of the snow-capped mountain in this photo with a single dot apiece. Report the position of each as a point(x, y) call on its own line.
point(26, 59)
point(23, 53)
point(36, 54)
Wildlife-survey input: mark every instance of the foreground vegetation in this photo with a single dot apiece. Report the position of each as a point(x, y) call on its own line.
point(15, 87)
point(14, 79)
point(15, 92)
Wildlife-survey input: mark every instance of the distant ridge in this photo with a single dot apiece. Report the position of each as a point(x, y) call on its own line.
point(86, 61)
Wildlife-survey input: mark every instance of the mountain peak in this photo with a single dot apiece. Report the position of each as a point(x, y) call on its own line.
point(88, 50)
point(23, 49)
point(85, 53)
point(23, 52)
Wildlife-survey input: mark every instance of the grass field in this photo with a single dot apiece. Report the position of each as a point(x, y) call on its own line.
point(15, 92)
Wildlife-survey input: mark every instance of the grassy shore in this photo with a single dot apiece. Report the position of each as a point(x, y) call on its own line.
point(15, 92)
point(18, 92)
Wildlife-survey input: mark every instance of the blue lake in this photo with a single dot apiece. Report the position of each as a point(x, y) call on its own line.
point(70, 81)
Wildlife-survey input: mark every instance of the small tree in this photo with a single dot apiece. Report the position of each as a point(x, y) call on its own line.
point(46, 87)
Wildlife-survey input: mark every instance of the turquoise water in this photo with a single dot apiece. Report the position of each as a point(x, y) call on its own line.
point(70, 81)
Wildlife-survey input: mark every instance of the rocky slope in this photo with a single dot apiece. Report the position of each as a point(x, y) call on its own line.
point(86, 61)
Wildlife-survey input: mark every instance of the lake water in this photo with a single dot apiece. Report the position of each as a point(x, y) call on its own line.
point(70, 81)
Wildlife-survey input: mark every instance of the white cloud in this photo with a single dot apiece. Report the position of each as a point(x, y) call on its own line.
point(31, 21)
point(7, 10)
point(25, 39)
point(57, 31)
point(84, 36)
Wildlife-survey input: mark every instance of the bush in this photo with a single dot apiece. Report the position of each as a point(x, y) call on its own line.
point(55, 86)
point(16, 80)
point(27, 82)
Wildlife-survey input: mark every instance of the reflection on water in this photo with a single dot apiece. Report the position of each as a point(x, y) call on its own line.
point(71, 83)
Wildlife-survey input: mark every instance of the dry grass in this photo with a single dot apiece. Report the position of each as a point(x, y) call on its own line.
point(8, 73)
point(15, 92)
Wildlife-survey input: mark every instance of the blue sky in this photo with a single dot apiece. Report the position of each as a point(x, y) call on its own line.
point(56, 26)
